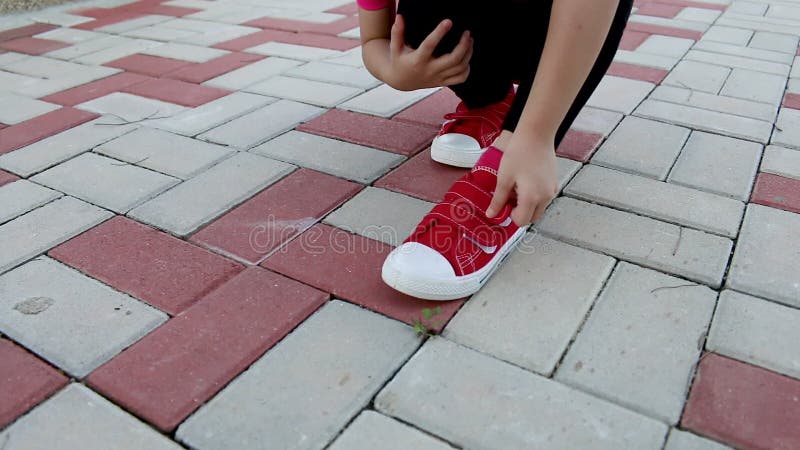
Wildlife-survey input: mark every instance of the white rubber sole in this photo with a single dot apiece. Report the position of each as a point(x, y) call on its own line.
point(447, 288)
point(454, 156)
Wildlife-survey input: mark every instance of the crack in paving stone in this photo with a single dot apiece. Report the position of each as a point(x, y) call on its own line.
point(663, 288)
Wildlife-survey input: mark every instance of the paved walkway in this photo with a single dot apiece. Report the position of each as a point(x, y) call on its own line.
point(197, 197)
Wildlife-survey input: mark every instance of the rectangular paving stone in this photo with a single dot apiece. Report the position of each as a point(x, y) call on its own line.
point(195, 202)
point(766, 256)
point(105, 182)
point(385, 101)
point(666, 45)
point(164, 152)
point(659, 245)
point(777, 191)
point(273, 119)
point(787, 133)
point(518, 409)
point(705, 120)
point(642, 146)
point(431, 110)
point(71, 320)
point(348, 353)
point(737, 61)
point(95, 89)
point(343, 159)
point(6, 178)
point(130, 108)
point(682, 440)
point(18, 108)
point(756, 331)
point(154, 66)
point(528, 313)
point(201, 72)
point(371, 430)
point(698, 76)
point(663, 201)
point(719, 103)
point(192, 122)
point(76, 418)
point(121, 49)
point(754, 54)
point(27, 380)
point(778, 160)
point(21, 196)
point(152, 266)
point(292, 51)
point(253, 230)
point(619, 94)
point(185, 52)
point(36, 232)
point(743, 405)
point(335, 73)
point(728, 35)
point(79, 49)
point(639, 318)
point(599, 121)
point(171, 372)
point(422, 177)
point(756, 86)
point(306, 91)
point(252, 73)
point(176, 91)
point(40, 127)
point(717, 164)
point(645, 59)
point(380, 214)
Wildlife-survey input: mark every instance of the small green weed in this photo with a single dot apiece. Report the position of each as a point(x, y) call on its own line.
point(425, 326)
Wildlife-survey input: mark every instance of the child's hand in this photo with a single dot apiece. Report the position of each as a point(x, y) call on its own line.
point(528, 172)
point(411, 69)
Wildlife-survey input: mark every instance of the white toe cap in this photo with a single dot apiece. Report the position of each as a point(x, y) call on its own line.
point(412, 260)
point(459, 141)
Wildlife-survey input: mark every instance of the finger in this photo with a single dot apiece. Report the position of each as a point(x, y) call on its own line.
point(500, 197)
point(455, 71)
point(456, 79)
point(397, 40)
point(537, 215)
point(432, 40)
point(523, 212)
point(457, 55)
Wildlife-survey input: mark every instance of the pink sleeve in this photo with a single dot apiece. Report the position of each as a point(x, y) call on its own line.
point(372, 5)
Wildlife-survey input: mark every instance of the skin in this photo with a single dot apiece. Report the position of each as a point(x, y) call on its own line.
point(527, 171)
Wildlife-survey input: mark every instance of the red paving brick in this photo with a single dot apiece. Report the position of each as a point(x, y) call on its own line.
point(743, 405)
point(199, 73)
point(172, 371)
point(631, 40)
point(32, 46)
point(422, 177)
point(176, 91)
point(6, 177)
point(659, 10)
point(299, 26)
point(25, 381)
point(637, 72)
point(95, 89)
point(108, 19)
point(288, 37)
point(791, 101)
point(26, 31)
point(349, 267)
point(40, 127)
point(777, 191)
point(160, 269)
point(666, 31)
point(579, 145)
point(148, 65)
point(377, 132)
point(276, 215)
point(430, 110)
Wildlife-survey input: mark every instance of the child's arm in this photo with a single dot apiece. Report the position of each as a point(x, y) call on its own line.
point(389, 59)
point(577, 31)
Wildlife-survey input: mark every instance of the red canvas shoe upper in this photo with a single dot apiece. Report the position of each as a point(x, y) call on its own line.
point(458, 228)
point(482, 124)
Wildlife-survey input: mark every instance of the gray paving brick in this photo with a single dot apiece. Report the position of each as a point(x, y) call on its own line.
point(380, 214)
point(69, 319)
point(159, 33)
point(66, 73)
point(756, 86)
point(781, 161)
point(717, 164)
point(48, 152)
point(737, 61)
point(664, 201)
point(252, 73)
point(619, 352)
point(705, 120)
point(787, 128)
point(186, 52)
point(783, 43)
point(132, 24)
point(17, 108)
point(698, 76)
point(756, 331)
point(385, 101)
point(642, 146)
point(728, 35)
point(191, 204)
point(121, 49)
point(765, 261)
point(703, 100)
point(43, 228)
point(516, 408)
point(748, 7)
point(597, 121)
point(646, 59)
point(78, 419)
point(795, 71)
point(192, 122)
point(619, 94)
point(22, 196)
point(130, 108)
point(335, 73)
point(662, 246)
point(343, 159)
point(306, 91)
point(292, 51)
point(533, 306)
point(273, 119)
point(665, 45)
point(373, 430)
point(565, 170)
point(348, 354)
point(105, 182)
point(84, 48)
point(682, 440)
point(668, 22)
point(754, 54)
point(164, 152)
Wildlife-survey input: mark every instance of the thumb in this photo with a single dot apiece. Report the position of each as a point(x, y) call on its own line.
point(397, 41)
point(500, 197)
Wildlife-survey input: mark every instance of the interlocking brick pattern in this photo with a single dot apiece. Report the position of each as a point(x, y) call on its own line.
point(196, 198)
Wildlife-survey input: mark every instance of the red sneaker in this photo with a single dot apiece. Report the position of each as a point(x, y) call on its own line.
point(456, 248)
point(466, 132)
